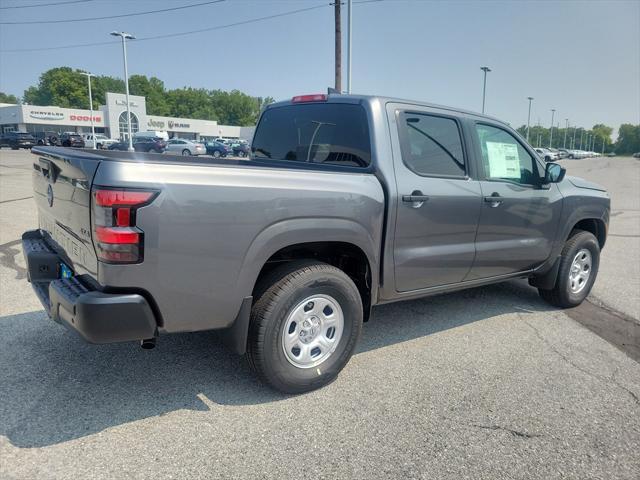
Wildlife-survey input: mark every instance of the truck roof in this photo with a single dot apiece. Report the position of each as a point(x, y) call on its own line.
point(352, 98)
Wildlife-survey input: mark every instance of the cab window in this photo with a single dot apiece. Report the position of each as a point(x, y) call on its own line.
point(504, 158)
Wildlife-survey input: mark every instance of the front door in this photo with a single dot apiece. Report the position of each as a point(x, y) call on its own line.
point(438, 204)
point(520, 215)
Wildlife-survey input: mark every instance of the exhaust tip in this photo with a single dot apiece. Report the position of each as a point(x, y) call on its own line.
point(148, 343)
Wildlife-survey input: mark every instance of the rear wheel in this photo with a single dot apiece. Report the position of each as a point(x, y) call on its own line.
point(579, 262)
point(186, 153)
point(304, 326)
point(216, 154)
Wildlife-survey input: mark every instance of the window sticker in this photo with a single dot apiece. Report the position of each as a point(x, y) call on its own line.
point(503, 160)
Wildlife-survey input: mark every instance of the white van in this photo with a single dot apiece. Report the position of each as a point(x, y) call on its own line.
point(152, 134)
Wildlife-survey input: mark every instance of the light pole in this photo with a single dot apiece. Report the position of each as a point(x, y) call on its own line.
point(566, 128)
point(553, 112)
point(93, 129)
point(573, 142)
point(581, 144)
point(349, 46)
point(484, 85)
point(529, 117)
point(124, 36)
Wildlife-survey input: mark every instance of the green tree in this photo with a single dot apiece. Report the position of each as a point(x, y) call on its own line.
point(60, 86)
point(602, 135)
point(628, 139)
point(154, 92)
point(8, 98)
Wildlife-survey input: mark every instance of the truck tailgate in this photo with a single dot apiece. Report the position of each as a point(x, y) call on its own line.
point(62, 190)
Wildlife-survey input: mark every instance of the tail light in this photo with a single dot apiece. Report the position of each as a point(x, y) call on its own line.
point(116, 237)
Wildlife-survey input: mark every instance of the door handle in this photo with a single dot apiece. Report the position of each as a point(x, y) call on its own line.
point(494, 200)
point(416, 199)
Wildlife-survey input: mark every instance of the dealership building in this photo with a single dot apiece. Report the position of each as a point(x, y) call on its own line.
point(111, 120)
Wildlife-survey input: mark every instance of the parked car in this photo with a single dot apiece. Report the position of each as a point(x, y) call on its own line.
point(217, 149)
point(286, 254)
point(144, 144)
point(241, 150)
point(16, 140)
point(68, 139)
point(152, 134)
point(546, 154)
point(185, 147)
point(636, 155)
point(46, 138)
point(101, 141)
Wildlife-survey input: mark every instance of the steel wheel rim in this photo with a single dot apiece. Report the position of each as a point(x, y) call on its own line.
point(580, 271)
point(312, 331)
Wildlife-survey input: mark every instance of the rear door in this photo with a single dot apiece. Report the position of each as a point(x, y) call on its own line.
point(62, 191)
point(520, 215)
point(438, 203)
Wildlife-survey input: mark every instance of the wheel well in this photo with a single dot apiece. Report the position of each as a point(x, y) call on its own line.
point(345, 256)
point(595, 226)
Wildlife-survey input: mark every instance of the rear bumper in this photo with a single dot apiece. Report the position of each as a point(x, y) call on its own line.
point(97, 316)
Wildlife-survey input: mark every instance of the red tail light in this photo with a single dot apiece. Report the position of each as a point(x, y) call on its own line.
point(117, 238)
point(316, 97)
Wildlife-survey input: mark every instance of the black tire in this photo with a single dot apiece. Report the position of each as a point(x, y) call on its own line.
point(561, 295)
point(275, 297)
point(241, 154)
point(216, 154)
point(186, 153)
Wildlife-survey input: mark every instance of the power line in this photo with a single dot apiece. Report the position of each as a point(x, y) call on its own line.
point(73, 20)
point(46, 4)
point(177, 34)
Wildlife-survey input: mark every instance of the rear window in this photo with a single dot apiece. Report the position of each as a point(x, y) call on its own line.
point(325, 133)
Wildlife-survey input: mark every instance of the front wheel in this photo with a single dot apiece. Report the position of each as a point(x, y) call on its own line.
point(579, 262)
point(304, 326)
point(216, 154)
point(186, 153)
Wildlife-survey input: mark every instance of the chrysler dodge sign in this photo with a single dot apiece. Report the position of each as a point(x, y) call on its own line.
point(40, 115)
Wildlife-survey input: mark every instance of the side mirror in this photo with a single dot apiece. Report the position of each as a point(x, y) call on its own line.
point(554, 173)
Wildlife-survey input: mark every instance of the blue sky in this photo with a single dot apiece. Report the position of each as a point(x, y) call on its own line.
point(580, 57)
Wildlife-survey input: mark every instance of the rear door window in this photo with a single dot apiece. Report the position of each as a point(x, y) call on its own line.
point(325, 133)
point(431, 145)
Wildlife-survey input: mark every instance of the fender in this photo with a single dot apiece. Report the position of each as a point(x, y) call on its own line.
point(305, 230)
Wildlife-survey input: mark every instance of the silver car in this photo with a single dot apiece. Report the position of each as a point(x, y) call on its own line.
point(185, 147)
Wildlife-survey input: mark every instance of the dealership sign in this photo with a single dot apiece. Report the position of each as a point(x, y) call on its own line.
point(84, 118)
point(155, 123)
point(40, 115)
point(173, 124)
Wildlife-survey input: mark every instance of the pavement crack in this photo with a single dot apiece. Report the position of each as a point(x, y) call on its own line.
point(515, 433)
point(567, 360)
point(16, 199)
point(8, 258)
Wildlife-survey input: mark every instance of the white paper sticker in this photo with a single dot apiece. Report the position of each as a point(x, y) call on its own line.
point(503, 160)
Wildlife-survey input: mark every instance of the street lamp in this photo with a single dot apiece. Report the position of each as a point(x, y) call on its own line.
point(124, 36)
point(484, 85)
point(349, 26)
point(93, 130)
point(553, 112)
point(566, 128)
point(581, 143)
point(573, 142)
point(529, 117)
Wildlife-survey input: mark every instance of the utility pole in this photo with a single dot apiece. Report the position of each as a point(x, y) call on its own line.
point(581, 144)
point(529, 117)
point(93, 129)
point(349, 5)
point(126, 36)
point(566, 128)
point(553, 112)
point(484, 85)
point(338, 33)
point(573, 142)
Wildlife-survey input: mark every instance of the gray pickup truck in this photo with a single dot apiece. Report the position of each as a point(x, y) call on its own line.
point(346, 202)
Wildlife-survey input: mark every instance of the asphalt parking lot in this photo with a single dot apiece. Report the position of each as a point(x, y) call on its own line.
point(487, 383)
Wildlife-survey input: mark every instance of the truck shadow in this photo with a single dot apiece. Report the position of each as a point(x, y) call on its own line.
point(55, 388)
